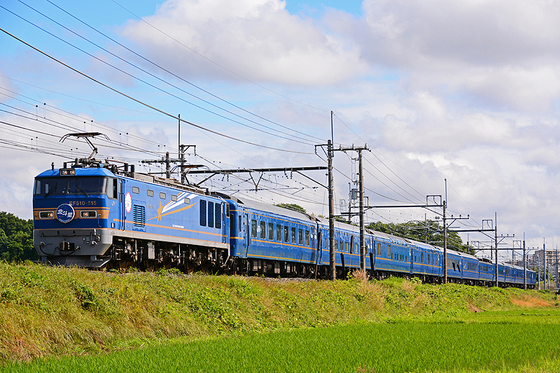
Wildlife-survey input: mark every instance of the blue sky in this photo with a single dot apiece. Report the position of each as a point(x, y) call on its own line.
point(312, 7)
point(463, 91)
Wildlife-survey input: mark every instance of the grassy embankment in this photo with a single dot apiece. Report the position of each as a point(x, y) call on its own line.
point(48, 311)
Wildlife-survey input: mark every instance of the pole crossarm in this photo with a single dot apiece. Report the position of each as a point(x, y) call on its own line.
point(249, 170)
point(400, 206)
point(261, 171)
point(471, 230)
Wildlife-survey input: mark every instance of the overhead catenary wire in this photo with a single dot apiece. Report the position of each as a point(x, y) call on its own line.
point(148, 105)
point(181, 78)
point(157, 78)
point(214, 62)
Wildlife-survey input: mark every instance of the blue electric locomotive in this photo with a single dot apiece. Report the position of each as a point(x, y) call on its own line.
point(95, 214)
point(92, 213)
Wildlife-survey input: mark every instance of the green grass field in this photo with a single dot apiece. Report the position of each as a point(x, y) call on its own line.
point(503, 342)
point(68, 319)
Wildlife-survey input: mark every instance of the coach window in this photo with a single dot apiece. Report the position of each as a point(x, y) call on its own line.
point(217, 215)
point(306, 238)
point(378, 249)
point(270, 231)
point(150, 193)
point(428, 258)
point(421, 257)
point(239, 223)
point(162, 195)
point(336, 245)
point(135, 190)
point(262, 229)
point(389, 251)
point(293, 235)
point(203, 212)
point(300, 236)
point(346, 247)
point(253, 228)
point(278, 233)
point(286, 234)
point(211, 214)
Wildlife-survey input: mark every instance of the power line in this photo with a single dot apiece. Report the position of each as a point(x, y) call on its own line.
point(213, 62)
point(153, 76)
point(179, 77)
point(147, 105)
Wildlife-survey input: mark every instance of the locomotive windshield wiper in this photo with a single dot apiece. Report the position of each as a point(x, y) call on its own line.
point(51, 191)
point(81, 190)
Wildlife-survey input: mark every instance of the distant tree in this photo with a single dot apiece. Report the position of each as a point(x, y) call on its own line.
point(16, 238)
point(292, 206)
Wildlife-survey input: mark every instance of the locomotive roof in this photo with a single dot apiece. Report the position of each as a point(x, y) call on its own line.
point(89, 171)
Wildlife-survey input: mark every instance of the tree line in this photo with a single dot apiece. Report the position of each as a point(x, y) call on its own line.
point(16, 238)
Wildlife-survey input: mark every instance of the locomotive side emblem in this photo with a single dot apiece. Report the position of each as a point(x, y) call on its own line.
point(128, 202)
point(65, 213)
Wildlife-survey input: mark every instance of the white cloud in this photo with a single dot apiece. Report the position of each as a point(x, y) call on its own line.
point(502, 53)
point(257, 39)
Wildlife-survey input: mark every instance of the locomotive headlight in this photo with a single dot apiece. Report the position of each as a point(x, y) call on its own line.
point(46, 214)
point(67, 172)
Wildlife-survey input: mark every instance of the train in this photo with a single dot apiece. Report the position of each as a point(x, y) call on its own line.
point(99, 214)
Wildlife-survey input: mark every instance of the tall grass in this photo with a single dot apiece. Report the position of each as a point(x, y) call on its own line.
point(49, 311)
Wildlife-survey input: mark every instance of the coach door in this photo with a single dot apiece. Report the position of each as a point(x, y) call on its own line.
point(319, 258)
point(121, 210)
point(245, 232)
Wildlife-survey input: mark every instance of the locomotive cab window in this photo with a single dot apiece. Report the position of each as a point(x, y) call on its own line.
point(83, 186)
point(112, 188)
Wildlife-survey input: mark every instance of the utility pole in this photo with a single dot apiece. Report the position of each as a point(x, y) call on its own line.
point(544, 263)
point(445, 237)
point(524, 264)
point(330, 155)
point(361, 203)
point(496, 244)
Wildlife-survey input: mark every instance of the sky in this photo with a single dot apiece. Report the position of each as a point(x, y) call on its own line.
point(452, 98)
